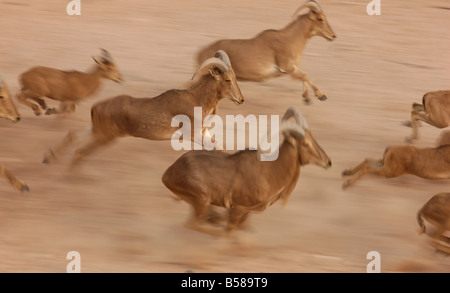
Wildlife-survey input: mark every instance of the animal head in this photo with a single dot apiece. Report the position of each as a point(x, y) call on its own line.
point(108, 66)
point(7, 108)
point(295, 129)
point(220, 68)
point(321, 27)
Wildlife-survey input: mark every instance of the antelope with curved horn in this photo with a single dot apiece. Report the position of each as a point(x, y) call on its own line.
point(8, 111)
point(241, 182)
point(151, 118)
point(68, 87)
point(273, 53)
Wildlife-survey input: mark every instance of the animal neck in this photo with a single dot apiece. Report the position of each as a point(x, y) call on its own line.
point(206, 92)
point(93, 79)
point(300, 30)
point(286, 167)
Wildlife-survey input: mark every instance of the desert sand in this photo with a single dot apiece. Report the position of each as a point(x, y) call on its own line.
point(114, 209)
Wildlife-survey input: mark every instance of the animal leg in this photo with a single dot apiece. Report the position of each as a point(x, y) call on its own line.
point(367, 166)
point(243, 223)
point(201, 214)
point(417, 116)
point(440, 247)
point(439, 241)
point(353, 171)
point(64, 107)
point(21, 186)
point(71, 137)
point(236, 217)
point(418, 107)
point(22, 97)
point(87, 150)
point(41, 103)
point(297, 73)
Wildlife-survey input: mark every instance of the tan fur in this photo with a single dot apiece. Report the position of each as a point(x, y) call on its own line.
point(241, 182)
point(9, 111)
point(150, 118)
point(444, 138)
point(436, 211)
point(273, 53)
point(68, 87)
point(434, 110)
point(428, 163)
point(7, 108)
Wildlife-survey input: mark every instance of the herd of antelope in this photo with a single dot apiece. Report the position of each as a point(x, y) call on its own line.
point(220, 66)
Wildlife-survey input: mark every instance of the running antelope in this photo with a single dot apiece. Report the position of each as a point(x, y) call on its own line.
point(151, 118)
point(8, 111)
point(273, 53)
point(241, 182)
point(68, 87)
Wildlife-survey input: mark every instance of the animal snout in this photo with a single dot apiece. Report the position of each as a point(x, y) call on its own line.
point(18, 118)
point(238, 101)
point(329, 163)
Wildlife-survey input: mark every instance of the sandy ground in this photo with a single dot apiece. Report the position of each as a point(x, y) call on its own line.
point(116, 212)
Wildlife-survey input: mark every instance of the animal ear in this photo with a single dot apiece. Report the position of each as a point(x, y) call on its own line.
point(294, 133)
point(313, 14)
point(215, 73)
point(99, 62)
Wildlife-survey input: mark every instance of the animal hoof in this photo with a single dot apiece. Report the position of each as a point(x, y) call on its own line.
point(408, 140)
point(25, 188)
point(37, 113)
point(407, 123)
point(47, 157)
point(307, 101)
point(323, 98)
point(346, 172)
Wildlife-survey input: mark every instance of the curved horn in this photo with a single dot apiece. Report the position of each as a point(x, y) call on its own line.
point(298, 117)
point(223, 56)
point(208, 63)
point(106, 54)
point(312, 5)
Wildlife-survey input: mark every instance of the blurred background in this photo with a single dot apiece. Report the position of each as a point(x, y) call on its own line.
point(115, 211)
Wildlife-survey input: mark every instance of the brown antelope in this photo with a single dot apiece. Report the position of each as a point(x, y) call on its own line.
point(8, 111)
point(428, 163)
point(274, 53)
point(437, 213)
point(434, 110)
point(68, 87)
point(151, 118)
point(241, 182)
